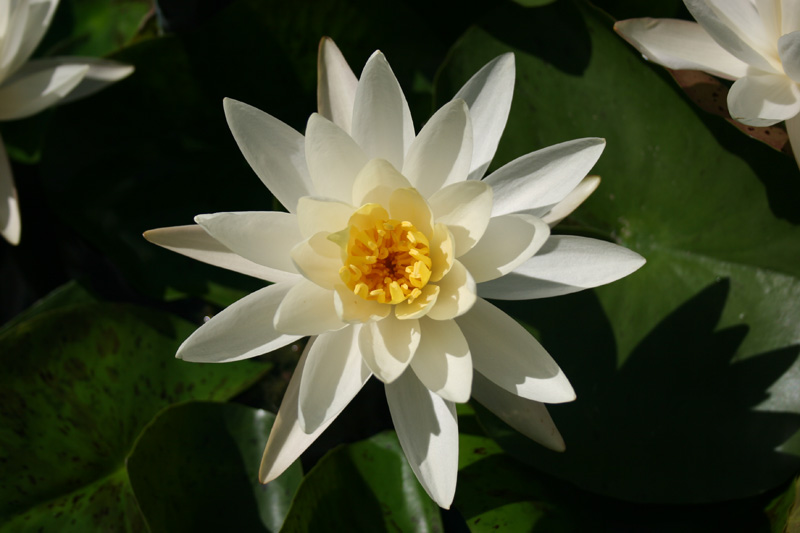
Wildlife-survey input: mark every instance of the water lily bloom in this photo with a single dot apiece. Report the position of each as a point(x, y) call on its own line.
point(389, 239)
point(28, 87)
point(755, 42)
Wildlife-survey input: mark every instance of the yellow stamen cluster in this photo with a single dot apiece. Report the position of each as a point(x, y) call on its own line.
point(388, 261)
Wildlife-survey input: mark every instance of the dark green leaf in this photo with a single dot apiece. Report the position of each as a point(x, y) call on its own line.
point(784, 511)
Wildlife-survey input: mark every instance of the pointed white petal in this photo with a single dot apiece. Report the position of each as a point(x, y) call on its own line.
point(442, 152)
point(793, 129)
point(409, 205)
point(443, 362)
point(382, 123)
point(743, 17)
point(16, 16)
point(334, 159)
point(509, 241)
point(336, 85)
point(318, 214)
point(465, 208)
point(488, 94)
point(526, 416)
point(287, 440)
point(36, 21)
point(376, 182)
point(565, 264)
point(790, 16)
point(275, 152)
point(307, 309)
point(31, 91)
point(789, 50)
point(333, 374)
point(504, 352)
point(264, 237)
point(243, 330)
point(763, 100)
point(101, 73)
point(572, 201)
point(537, 181)
point(354, 309)
point(318, 259)
point(195, 242)
point(427, 428)
point(388, 345)
point(457, 294)
point(680, 45)
point(10, 223)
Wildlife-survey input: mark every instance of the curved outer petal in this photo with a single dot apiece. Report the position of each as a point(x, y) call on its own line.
point(723, 30)
point(680, 44)
point(334, 159)
point(526, 416)
point(427, 428)
point(336, 85)
point(388, 346)
point(333, 374)
point(537, 181)
point(10, 223)
point(275, 152)
point(488, 94)
point(307, 309)
point(572, 201)
point(442, 152)
point(242, 330)
point(763, 100)
point(30, 91)
point(195, 242)
point(318, 259)
point(376, 182)
point(509, 356)
point(31, 26)
point(101, 73)
point(443, 362)
point(457, 294)
point(382, 123)
point(789, 51)
point(465, 208)
point(509, 241)
point(565, 264)
point(264, 237)
point(287, 440)
point(319, 214)
point(793, 129)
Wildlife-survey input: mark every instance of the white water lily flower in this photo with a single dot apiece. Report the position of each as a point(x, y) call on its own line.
point(28, 87)
point(755, 42)
point(389, 238)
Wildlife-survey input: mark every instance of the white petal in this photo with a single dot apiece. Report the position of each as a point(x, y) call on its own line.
point(509, 241)
point(307, 309)
point(504, 352)
point(789, 50)
point(443, 362)
point(376, 182)
point(382, 123)
point(334, 159)
point(537, 181)
point(318, 214)
point(264, 237)
point(274, 151)
point(427, 428)
point(743, 17)
point(336, 85)
point(793, 129)
point(465, 208)
point(421, 306)
point(287, 440)
point(10, 223)
point(763, 100)
point(333, 374)
point(29, 22)
point(318, 259)
point(442, 152)
point(565, 264)
point(526, 416)
point(680, 45)
point(572, 201)
point(409, 205)
point(488, 94)
point(244, 329)
point(790, 16)
point(101, 73)
point(29, 92)
point(457, 294)
point(354, 309)
point(195, 242)
point(388, 345)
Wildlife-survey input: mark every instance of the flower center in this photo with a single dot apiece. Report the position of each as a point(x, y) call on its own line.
point(388, 261)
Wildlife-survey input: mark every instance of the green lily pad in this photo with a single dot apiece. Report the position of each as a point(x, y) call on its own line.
point(201, 456)
point(364, 486)
point(686, 372)
point(78, 384)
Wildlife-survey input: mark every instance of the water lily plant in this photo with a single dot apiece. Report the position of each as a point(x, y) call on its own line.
point(30, 86)
point(755, 42)
point(391, 241)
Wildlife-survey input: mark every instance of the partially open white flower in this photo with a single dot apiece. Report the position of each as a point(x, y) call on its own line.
point(389, 238)
point(755, 42)
point(28, 87)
